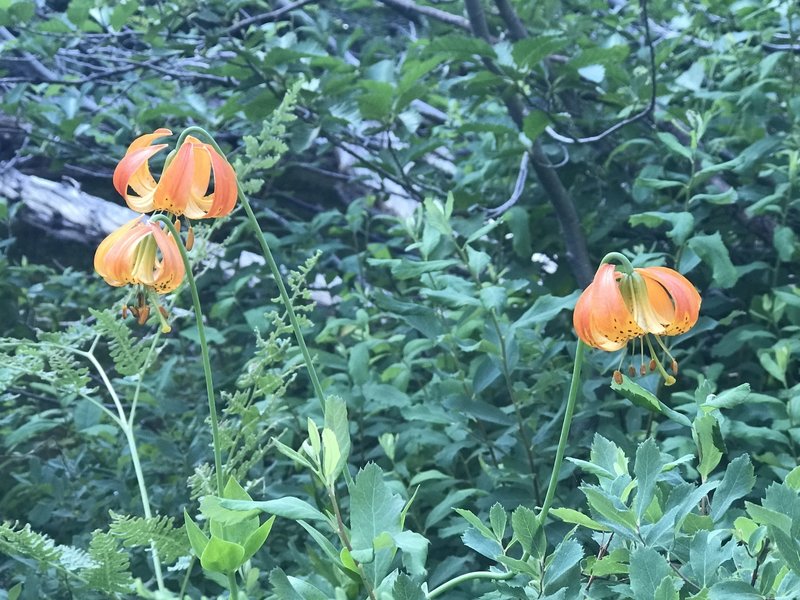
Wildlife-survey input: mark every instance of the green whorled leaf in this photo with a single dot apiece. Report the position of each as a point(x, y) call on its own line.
point(641, 397)
point(712, 251)
point(197, 538)
point(569, 515)
point(498, 520)
point(257, 538)
point(221, 556)
point(682, 223)
point(292, 454)
point(785, 242)
point(646, 468)
point(563, 568)
point(737, 482)
point(729, 196)
point(408, 269)
point(707, 436)
point(213, 509)
point(374, 510)
point(405, 589)
point(287, 507)
point(647, 570)
point(728, 398)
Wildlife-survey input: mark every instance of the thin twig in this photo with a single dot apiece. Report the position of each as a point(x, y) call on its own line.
point(519, 187)
point(428, 11)
point(648, 110)
point(268, 16)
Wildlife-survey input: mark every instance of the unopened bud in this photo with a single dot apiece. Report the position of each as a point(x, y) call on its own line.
point(618, 377)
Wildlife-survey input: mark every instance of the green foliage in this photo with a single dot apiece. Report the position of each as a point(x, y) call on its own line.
point(135, 532)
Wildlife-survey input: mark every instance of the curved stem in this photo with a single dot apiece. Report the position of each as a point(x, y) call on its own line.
point(621, 259)
point(273, 266)
point(562, 441)
point(201, 334)
point(448, 585)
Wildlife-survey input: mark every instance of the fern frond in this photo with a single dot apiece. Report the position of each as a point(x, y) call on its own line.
point(111, 569)
point(170, 542)
point(37, 546)
point(129, 354)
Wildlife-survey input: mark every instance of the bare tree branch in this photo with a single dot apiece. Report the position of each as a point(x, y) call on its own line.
point(268, 16)
point(428, 11)
point(566, 214)
point(648, 110)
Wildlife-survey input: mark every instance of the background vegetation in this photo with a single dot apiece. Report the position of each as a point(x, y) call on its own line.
point(457, 169)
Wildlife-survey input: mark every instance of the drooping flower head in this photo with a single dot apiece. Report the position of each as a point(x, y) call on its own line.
point(183, 188)
point(143, 254)
point(618, 307)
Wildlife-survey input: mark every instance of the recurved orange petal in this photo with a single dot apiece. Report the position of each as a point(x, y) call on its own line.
point(684, 297)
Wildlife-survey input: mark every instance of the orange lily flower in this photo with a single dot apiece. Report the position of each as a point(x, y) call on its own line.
point(130, 255)
point(619, 307)
point(183, 188)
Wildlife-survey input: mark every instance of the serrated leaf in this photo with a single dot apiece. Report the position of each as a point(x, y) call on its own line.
point(563, 568)
point(648, 570)
point(647, 468)
point(498, 519)
point(739, 479)
point(526, 527)
point(170, 542)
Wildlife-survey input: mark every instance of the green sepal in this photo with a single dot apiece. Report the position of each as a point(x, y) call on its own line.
point(197, 538)
point(222, 556)
point(257, 539)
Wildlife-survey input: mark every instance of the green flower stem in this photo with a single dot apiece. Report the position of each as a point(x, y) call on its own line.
point(301, 342)
point(448, 585)
point(621, 259)
point(201, 333)
point(233, 587)
point(127, 429)
point(262, 242)
point(562, 441)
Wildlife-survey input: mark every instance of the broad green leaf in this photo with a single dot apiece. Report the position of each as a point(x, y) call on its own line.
point(648, 570)
point(712, 251)
point(498, 519)
point(331, 457)
point(707, 436)
point(673, 145)
point(641, 397)
point(526, 528)
point(728, 398)
point(605, 507)
point(374, 509)
point(545, 308)
point(257, 538)
point(563, 567)
point(733, 590)
point(221, 556)
point(647, 468)
point(666, 590)
point(287, 507)
point(197, 538)
point(739, 479)
point(405, 589)
point(682, 223)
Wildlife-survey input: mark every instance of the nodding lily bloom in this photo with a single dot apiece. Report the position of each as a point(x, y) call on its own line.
point(618, 307)
point(184, 184)
point(140, 253)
